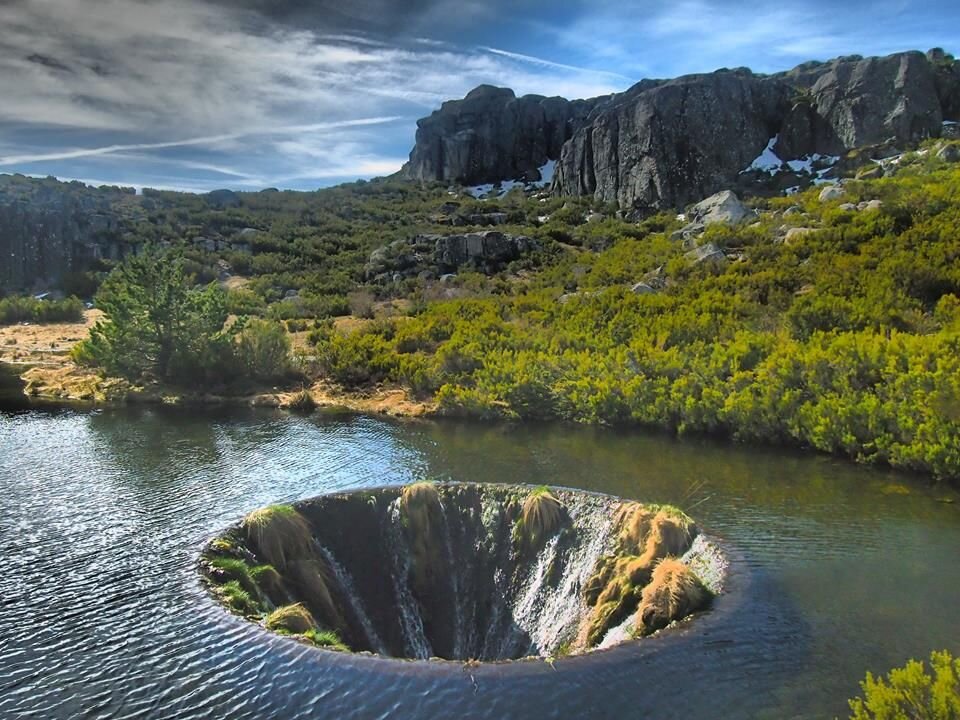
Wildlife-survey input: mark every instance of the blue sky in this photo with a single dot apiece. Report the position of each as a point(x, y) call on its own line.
point(247, 94)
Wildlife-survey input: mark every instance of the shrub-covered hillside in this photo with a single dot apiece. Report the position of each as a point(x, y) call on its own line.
point(842, 335)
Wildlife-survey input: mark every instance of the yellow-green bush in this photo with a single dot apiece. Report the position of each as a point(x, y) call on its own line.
point(911, 692)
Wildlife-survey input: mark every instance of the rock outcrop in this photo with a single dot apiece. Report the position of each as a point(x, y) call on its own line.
point(864, 101)
point(430, 256)
point(493, 135)
point(434, 255)
point(675, 143)
point(49, 228)
point(664, 144)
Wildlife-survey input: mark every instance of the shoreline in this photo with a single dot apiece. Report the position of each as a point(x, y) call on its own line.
point(69, 384)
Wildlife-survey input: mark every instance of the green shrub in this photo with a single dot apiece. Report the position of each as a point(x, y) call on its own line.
point(27, 309)
point(912, 693)
point(263, 350)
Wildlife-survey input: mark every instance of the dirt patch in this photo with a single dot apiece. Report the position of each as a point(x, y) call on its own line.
point(393, 401)
point(48, 345)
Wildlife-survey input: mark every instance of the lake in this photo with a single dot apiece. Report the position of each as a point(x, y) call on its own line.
point(838, 570)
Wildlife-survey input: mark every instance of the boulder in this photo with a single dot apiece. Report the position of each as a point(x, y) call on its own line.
point(871, 172)
point(724, 207)
point(641, 288)
point(223, 199)
point(848, 207)
point(831, 192)
point(706, 254)
point(949, 153)
point(797, 233)
point(870, 205)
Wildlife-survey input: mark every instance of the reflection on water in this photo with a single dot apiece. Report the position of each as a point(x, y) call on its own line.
point(101, 615)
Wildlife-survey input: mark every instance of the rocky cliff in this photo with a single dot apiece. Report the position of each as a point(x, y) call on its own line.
point(666, 143)
point(492, 135)
point(48, 228)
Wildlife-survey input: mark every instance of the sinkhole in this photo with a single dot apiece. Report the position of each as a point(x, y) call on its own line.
point(465, 571)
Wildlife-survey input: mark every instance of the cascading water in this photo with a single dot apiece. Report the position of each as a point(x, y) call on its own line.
point(456, 571)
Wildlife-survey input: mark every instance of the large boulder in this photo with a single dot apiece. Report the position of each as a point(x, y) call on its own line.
point(949, 153)
point(724, 207)
point(708, 254)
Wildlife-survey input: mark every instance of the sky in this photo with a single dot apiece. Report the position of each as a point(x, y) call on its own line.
point(247, 94)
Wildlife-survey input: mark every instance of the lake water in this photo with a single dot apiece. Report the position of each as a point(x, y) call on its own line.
point(838, 570)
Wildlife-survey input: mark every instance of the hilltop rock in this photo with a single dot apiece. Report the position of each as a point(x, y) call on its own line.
point(49, 228)
point(864, 101)
point(493, 135)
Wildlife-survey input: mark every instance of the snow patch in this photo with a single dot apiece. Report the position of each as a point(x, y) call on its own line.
point(492, 191)
point(546, 173)
point(767, 161)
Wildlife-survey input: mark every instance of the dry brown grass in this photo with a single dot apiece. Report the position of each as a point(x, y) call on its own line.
point(279, 534)
point(295, 619)
point(669, 535)
point(633, 521)
point(646, 536)
point(542, 515)
point(673, 593)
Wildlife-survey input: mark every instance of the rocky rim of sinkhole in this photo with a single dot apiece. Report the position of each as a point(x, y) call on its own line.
point(465, 572)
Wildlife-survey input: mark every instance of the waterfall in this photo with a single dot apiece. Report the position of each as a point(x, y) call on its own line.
point(348, 590)
point(411, 623)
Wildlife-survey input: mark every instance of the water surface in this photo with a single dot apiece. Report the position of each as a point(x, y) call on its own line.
point(102, 513)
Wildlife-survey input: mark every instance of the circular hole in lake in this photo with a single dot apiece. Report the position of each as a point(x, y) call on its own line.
point(465, 571)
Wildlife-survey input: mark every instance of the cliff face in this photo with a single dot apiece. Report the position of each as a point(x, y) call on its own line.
point(663, 144)
point(491, 135)
point(673, 143)
point(48, 229)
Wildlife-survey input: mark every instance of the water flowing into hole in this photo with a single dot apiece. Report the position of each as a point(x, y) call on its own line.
point(465, 572)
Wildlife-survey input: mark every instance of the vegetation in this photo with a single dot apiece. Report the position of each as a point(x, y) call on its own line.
point(326, 639)
point(158, 324)
point(844, 339)
point(238, 599)
point(293, 619)
point(673, 592)
point(236, 570)
point(280, 534)
point(28, 309)
point(648, 536)
point(541, 517)
point(911, 692)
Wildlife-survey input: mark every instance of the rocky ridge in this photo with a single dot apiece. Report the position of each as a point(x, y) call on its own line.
point(665, 144)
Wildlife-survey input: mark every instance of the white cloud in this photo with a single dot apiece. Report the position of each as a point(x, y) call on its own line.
point(122, 77)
